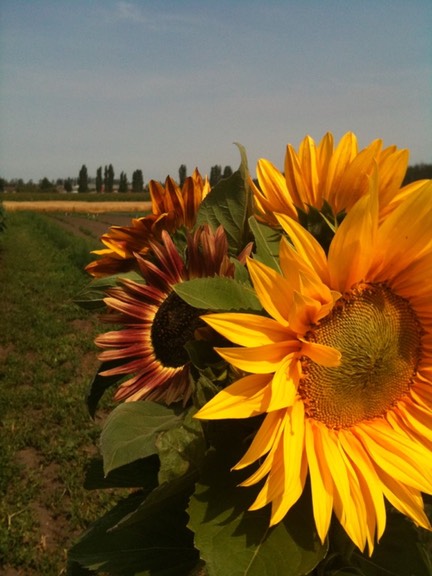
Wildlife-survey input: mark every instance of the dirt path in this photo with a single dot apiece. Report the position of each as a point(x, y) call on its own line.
point(93, 226)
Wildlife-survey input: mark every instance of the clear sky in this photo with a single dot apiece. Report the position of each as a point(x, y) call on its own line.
point(152, 84)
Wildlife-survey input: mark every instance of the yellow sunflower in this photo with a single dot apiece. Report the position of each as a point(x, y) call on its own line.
point(156, 322)
point(319, 174)
point(341, 366)
point(172, 207)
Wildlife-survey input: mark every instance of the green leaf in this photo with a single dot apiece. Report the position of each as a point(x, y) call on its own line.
point(141, 473)
point(229, 204)
point(234, 541)
point(181, 449)
point(158, 545)
point(164, 496)
point(91, 297)
point(131, 430)
point(267, 241)
point(218, 294)
point(400, 551)
point(100, 384)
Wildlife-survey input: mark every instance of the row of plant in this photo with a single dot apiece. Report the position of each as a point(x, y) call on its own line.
point(46, 363)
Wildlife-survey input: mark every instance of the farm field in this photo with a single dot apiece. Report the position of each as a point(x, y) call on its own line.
point(77, 206)
point(47, 360)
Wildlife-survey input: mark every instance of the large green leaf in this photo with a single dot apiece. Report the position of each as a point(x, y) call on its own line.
point(229, 204)
point(158, 545)
point(164, 496)
point(234, 541)
point(399, 553)
point(218, 294)
point(141, 473)
point(100, 384)
point(131, 430)
point(181, 449)
point(267, 241)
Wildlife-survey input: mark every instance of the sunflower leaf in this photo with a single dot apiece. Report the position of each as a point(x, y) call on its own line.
point(232, 540)
point(100, 384)
point(267, 241)
point(131, 430)
point(399, 552)
point(159, 544)
point(141, 473)
point(229, 204)
point(218, 294)
point(91, 297)
point(181, 449)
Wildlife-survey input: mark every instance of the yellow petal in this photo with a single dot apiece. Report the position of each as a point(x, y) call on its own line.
point(304, 312)
point(405, 235)
point(366, 470)
point(248, 329)
point(404, 498)
point(273, 290)
point(320, 476)
point(243, 399)
point(294, 181)
point(320, 353)
point(352, 249)
point(305, 244)
point(308, 159)
point(260, 359)
point(406, 461)
point(283, 387)
point(265, 439)
point(345, 151)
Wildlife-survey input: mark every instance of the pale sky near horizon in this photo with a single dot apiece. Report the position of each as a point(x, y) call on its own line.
point(154, 84)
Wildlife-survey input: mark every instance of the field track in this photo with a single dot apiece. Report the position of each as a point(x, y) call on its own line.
point(77, 206)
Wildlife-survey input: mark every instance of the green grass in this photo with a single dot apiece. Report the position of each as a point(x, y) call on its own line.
point(47, 358)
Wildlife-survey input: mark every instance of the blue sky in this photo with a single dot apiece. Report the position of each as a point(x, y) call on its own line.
point(155, 84)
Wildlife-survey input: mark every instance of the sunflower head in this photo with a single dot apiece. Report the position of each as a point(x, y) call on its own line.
point(156, 324)
point(340, 365)
point(322, 176)
point(172, 208)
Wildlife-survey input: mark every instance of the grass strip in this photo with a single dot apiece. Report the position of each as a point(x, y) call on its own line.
point(47, 358)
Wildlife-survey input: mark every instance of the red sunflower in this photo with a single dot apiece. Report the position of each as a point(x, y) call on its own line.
point(172, 207)
point(157, 323)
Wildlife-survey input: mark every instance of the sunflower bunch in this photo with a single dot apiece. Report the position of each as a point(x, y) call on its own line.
point(272, 359)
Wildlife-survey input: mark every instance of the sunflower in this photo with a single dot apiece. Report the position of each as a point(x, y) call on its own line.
point(157, 323)
point(330, 179)
point(172, 207)
point(341, 367)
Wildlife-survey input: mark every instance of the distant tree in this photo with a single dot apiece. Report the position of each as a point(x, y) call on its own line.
point(215, 174)
point(137, 181)
point(182, 174)
point(45, 184)
point(68, 185)
point(3, 184)
point(83, 179)
point(99, 179)
point(123, 183)
point(418, 172)
point(109, 178)
point(227, 172)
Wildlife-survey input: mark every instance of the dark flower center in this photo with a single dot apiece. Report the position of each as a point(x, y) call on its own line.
point(379, 337)
point(173, 326)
